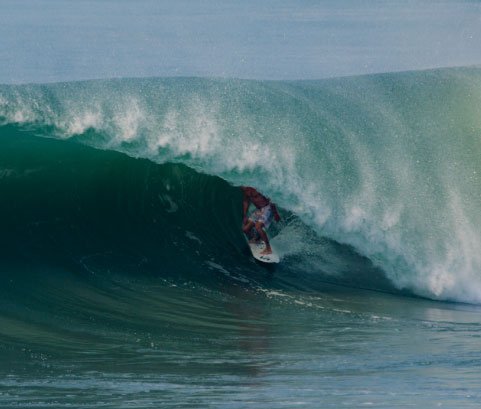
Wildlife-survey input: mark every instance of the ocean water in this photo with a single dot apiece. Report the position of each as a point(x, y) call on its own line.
point(125, 280)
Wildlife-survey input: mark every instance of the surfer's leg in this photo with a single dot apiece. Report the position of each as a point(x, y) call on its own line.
point(265, 239)
point(246, 228)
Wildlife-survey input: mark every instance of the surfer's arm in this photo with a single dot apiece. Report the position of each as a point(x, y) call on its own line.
point(245, 206)
point(277, 216)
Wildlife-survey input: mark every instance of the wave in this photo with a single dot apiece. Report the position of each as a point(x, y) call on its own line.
point(373, 174)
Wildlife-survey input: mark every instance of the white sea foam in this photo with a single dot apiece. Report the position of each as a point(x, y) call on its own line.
point(129, 120)
point(81, 122)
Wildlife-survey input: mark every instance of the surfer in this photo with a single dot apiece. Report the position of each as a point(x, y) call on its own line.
point(260, 218)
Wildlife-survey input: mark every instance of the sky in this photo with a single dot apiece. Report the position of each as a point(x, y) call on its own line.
point(61, 40)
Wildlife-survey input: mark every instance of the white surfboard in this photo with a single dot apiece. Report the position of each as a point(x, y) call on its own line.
point(257, 248)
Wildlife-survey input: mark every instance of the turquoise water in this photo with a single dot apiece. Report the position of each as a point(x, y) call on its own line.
point(126, 282)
